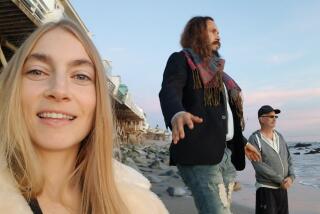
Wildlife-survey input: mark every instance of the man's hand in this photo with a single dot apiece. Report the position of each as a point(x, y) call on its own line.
point(286, 183)
point(178, 123)
point(252, 153)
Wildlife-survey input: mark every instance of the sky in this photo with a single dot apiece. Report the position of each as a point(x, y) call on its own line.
point(271, 49)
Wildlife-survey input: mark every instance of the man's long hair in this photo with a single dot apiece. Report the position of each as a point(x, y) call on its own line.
point(195, 36)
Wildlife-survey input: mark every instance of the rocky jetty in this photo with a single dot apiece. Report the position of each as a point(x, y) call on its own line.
point(313, 151)
point(305, 148)
point(302, 145)
point(152, 160)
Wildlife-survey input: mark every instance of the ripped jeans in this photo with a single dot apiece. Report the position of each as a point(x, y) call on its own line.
point(211, 185)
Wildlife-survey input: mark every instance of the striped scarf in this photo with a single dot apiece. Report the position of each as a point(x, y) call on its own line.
point(211, 77)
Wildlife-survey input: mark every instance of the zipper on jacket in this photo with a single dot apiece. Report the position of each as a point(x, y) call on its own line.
point(277, 154)
point(281, 163)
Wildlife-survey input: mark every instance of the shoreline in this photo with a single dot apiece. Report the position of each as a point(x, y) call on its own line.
point(302, 199)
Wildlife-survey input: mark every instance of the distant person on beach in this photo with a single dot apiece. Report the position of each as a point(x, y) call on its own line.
point(274, 173)
point(56, 135)
point(203, 107)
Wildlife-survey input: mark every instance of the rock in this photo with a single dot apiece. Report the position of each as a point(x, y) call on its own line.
point(140, 151)
point(140, 160)
point(166, 160)
point(157, 164)
point(145, 169)
point(296, 153)
point(314, 151)
point(153, 149)
point(170, 172)
point(128, 161)
point(154, 179)
point(151, 156)
point(177, 191)
point(302, 145)
point(133, 154)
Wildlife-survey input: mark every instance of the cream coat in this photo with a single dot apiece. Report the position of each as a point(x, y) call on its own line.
point(134, 188)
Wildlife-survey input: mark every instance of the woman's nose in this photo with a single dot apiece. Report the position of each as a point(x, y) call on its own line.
point(58, 88)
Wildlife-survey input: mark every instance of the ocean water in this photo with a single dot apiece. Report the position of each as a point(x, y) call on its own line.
point(307, 166)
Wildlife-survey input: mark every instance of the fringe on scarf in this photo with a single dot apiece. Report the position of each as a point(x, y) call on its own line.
point(196, 79)
point(212, 94)
point(212, 91)
point(237, 101)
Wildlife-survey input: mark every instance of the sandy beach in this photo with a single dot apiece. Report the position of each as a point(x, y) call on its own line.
point(185, 204)
point(302, 199)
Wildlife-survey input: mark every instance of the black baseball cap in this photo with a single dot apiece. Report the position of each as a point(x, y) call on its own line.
point(267, 109)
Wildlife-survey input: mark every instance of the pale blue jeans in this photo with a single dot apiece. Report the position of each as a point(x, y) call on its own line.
point(211, 185)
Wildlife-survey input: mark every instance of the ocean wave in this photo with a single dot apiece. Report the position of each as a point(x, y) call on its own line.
point(308, 183)
point(306, 166)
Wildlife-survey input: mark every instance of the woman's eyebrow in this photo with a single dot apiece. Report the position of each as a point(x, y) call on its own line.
point(41, 57)
point(47, 59)
point(79, 62)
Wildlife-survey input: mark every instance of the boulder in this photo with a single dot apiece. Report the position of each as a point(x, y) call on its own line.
point(128, 161)
point(157, 164)
point(314, 151)
point(154, 179)
point(302, 145)
point(169, 172)
point(177, 191)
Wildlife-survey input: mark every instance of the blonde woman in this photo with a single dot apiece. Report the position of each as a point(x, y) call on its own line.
point(56, 131)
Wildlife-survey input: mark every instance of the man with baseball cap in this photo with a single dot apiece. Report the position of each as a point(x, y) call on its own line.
point(274, 173)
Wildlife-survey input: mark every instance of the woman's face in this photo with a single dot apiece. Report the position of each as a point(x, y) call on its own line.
point(58, 91)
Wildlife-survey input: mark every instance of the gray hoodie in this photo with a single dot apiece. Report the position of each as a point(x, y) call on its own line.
point(274, 167)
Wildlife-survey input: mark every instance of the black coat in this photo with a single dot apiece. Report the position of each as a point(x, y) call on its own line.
point(205, 144)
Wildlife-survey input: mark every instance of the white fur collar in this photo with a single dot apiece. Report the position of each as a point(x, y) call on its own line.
point(11, 200)
point(133, 187)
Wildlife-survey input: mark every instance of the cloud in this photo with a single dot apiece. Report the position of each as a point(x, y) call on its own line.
point(295, 123)
point(280, 96)
point(150, 104)
point(298, 120)
point(281, 58)
point(301, 125)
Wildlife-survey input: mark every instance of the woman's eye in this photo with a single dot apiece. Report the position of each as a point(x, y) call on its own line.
point(35, 72)
point(82, 77)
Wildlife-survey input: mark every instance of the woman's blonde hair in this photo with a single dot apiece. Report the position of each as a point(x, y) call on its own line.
point(94, 169)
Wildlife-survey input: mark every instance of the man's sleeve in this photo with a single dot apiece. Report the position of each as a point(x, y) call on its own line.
point(290, 165)
point(244, 141)
point(174, 80)
point(263, 169)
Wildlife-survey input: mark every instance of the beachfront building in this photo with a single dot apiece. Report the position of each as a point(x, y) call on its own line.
point(158, 134)
point(131, 119)
point(19, 18)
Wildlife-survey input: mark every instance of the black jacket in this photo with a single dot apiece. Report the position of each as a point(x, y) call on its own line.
point(204, 144)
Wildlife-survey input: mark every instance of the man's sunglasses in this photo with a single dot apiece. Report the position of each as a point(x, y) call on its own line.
point(271, 116)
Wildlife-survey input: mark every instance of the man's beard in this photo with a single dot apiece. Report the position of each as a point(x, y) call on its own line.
point(216, 53)
point(215, 46)
point(217, 43)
